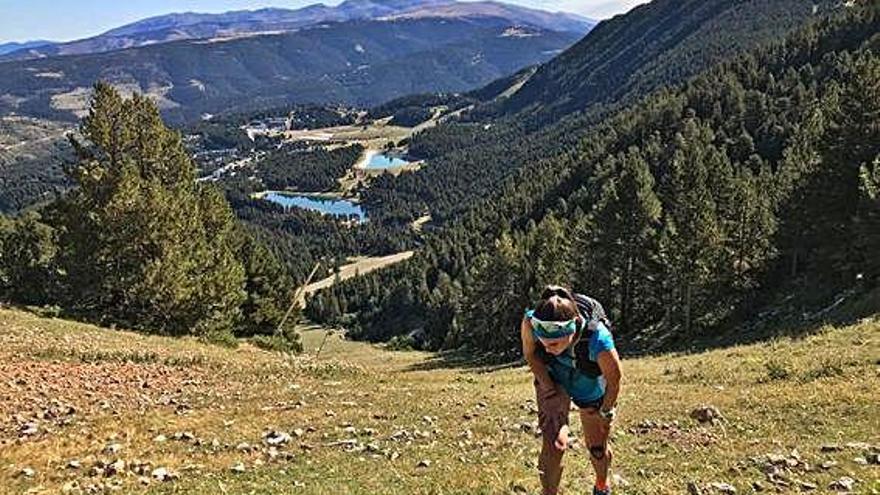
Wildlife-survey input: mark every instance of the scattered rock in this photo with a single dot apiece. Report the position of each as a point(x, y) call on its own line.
point(722, 487)
point(861, 461)
point(184, 436)
point(163, 474)
point(27, 472)
point(298, 432)
point(844, 484)
point(807, 486)
point(238, 467)
point(830, 447)
point(112, 448)
point(115, 467)
point(693, 488)
point(160, 438)
point(828, 464)
point(758, 486)
point(424, 463)
point(873, 458)
point(706, 414)
point(28, 430)
point(74, 464)
point(276, 438)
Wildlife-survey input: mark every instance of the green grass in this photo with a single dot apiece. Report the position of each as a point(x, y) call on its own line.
point(406, 407)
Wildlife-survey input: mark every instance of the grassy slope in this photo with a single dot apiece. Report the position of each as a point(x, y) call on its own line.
point(127, 389)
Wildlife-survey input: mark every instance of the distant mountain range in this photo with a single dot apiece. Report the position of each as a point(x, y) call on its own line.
point(356, 62)
point(27, 45)
point(185, 26)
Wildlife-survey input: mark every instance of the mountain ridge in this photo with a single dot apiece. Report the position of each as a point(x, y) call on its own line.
point(192, 25)
point(14, 46)
point(360, 62)
point(657, 43)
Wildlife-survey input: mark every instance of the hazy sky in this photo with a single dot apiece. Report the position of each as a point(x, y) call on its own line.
point(62, 20)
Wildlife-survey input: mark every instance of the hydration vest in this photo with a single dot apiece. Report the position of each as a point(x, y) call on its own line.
point(592, 313)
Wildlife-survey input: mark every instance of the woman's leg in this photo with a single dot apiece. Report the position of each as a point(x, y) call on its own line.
point(550, 466)
point(596, 431)
point(553, 404)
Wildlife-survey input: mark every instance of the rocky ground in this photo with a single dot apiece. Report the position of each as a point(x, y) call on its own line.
point(89, 410)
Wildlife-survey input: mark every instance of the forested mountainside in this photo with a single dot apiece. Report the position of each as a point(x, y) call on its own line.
point(754, 183)
point(360, 63)
point(190, 25)
point(659, 43)
point(471, 158)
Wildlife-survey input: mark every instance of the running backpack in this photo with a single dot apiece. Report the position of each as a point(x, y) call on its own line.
point(593, 313)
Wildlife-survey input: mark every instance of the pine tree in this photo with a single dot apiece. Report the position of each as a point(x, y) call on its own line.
point(550, 253)
point(493, 307)
point(268, 288)
point(627, 218)
point(27, 251)
point(868, 222)
point(694, 232)
point(144, 244)
point(750, 238)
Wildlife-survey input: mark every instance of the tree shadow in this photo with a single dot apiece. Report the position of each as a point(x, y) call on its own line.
point(791, 319)
point(465, 361)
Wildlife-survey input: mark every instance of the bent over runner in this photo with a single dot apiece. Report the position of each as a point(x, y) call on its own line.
point(568, 345)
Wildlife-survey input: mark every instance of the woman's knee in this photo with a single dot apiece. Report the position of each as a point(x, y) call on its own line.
point(550, 454)
point(600, 452)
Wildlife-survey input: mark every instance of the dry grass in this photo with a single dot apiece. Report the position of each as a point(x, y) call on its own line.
point(408, 407)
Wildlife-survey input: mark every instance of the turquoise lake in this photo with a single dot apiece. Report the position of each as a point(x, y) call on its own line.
point(338, 207)
point(382, 161)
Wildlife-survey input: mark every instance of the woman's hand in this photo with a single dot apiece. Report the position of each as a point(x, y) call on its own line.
point(561, 442)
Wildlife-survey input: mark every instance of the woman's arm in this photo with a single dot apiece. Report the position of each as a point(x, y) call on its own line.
point(609, 363)
point(553, 402)
point(530, 348)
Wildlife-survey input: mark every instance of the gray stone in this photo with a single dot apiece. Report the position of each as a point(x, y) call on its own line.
point(113, 448)
point(28, 429)
point(276, 438)
point(706, 414)
point(844, 484)
point(115, 467)
point(722, 487)
point(163, 474)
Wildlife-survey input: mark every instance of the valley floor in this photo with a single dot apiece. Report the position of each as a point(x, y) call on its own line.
point(83, 408)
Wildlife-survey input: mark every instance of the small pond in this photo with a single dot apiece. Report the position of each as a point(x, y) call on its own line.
point(321, 204)
point(385, 160)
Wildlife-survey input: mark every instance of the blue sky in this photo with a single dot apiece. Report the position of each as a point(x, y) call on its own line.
point(64, 20)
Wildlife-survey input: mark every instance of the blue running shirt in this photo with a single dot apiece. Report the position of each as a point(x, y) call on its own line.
point(563, 370)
